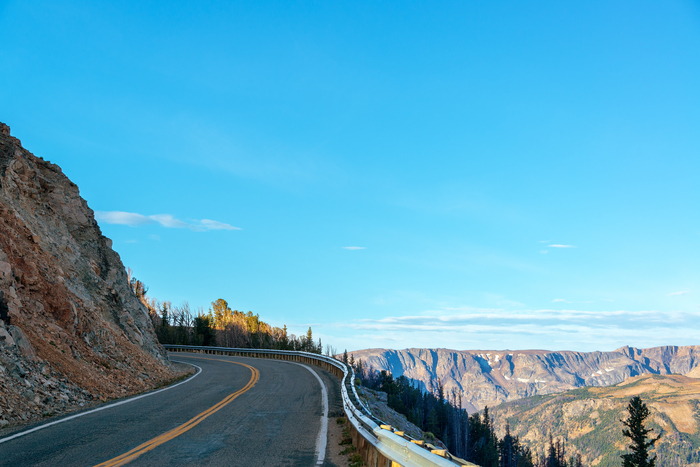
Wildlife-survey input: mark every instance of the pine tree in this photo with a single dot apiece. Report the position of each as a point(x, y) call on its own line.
point(506, 449)
point(203, 330)
point(284, 339)
point(552, 459)
point(165, 319)
point(138, 288)
point(483, 448)
point(309, 341)
point(164, 331)
point(637, 433)
point(221, 312)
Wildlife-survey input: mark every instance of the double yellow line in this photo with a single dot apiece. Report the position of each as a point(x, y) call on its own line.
point(175, 432)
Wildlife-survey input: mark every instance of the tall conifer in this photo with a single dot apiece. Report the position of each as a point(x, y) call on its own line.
point(638, 434)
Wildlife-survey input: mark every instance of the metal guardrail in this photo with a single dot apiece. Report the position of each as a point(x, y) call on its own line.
point(393, 444)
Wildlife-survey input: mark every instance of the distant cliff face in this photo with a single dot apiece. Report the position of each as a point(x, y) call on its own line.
point(77, 332)
point(488, 377)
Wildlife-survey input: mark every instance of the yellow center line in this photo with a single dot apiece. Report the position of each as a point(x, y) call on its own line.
point(177, 431)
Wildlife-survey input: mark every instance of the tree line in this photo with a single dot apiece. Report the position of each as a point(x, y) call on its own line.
point(219, 326)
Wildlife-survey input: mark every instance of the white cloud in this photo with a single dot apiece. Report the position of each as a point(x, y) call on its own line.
point(682, 292)
point(166, 220)
point(216, 225)
point(544, 252)
point(124, 218)
point(560, 300)
point(133, 219)
point(556, 245)
point(473, 328)
point(353, 247)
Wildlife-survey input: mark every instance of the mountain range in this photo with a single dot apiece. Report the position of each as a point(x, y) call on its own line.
point(491, 377)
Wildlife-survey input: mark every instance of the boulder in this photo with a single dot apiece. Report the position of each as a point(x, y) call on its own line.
point(22, 342)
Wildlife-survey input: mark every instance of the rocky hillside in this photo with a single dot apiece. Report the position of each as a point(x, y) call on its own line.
point(490, 377)
point(588, 420)
point(76, 332)
point(376, 401)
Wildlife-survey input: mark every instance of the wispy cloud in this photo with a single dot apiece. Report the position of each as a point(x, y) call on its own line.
point(353, 247)
point(557, 245)
point(134, 219)
point(216, 225)
point(124, 218)
point(682, 292)
point(557, 300)
point(166, 220)
point(528, 328)
point(544, 252)
point(496, 319)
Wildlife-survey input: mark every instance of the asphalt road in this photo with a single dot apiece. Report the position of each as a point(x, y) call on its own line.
point(225, 416)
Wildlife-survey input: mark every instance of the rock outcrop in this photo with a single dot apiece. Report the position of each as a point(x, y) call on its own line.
point(75, 331)
point(490, 377)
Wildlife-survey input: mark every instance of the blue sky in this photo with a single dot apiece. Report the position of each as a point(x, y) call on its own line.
point(511, 175)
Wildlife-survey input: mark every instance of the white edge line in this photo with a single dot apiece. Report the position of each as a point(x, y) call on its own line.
point(322, 439)
point(104, 407)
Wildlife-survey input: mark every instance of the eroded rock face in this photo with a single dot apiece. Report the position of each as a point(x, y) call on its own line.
point(75, 323)
point(490, 377)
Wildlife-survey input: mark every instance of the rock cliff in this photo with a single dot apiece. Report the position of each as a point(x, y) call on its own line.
point(75, 332)
point(488, 377)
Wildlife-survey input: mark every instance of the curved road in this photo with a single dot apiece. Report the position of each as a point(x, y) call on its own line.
point(236, 412)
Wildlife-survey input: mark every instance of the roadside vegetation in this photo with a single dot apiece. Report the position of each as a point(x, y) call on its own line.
point(219, 326)
point(354, 458)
